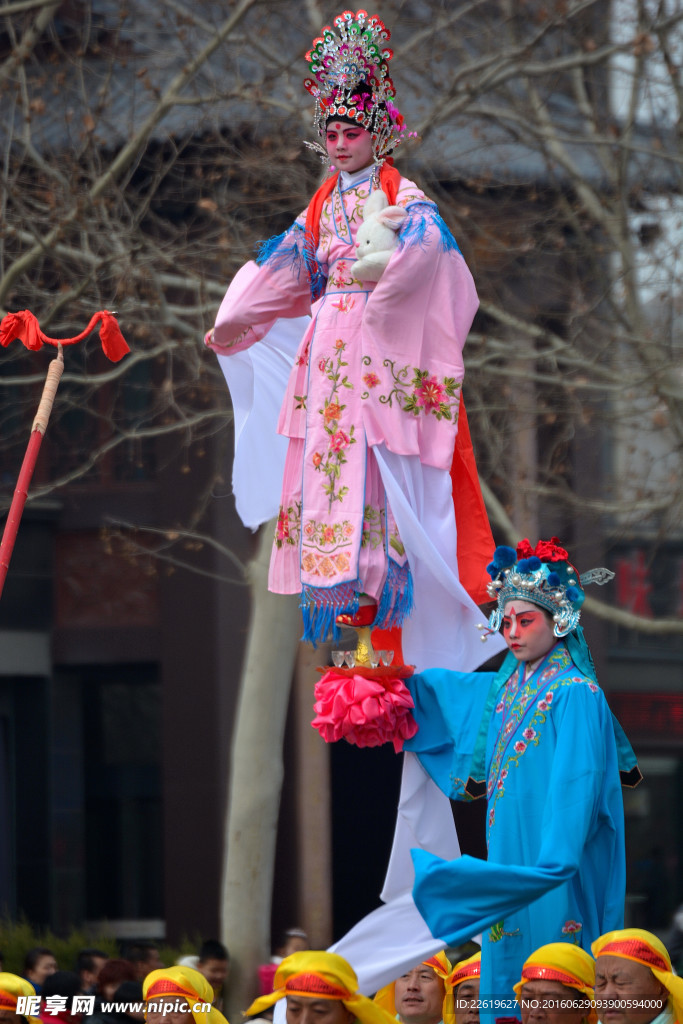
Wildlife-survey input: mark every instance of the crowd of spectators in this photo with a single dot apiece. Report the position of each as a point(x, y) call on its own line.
point(628, 980)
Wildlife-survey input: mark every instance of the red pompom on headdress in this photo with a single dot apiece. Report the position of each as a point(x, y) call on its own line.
point(546, 550)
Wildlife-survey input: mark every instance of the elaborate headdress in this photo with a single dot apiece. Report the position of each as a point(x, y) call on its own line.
point(543, 575)
point(350, 79)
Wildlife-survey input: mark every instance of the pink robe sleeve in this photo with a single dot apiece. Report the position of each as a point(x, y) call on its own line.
point(260, 295)
point(414, 329)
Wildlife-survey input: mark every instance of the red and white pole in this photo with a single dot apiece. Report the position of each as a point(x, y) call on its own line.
point(38, 429)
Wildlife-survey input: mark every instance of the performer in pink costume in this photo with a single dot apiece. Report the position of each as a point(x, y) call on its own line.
point(372, 399)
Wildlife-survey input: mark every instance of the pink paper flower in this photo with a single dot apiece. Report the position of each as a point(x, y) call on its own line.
point(365, 712)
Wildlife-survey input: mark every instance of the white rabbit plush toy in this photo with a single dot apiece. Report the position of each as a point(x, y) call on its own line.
point(377, 236)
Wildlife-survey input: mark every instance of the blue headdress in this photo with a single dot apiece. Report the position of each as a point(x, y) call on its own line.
point(544, 576)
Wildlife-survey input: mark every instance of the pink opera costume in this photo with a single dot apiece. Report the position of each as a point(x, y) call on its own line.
point(370, 395)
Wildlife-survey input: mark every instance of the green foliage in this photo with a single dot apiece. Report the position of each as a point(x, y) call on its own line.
point(188, 947)
point(18, 937)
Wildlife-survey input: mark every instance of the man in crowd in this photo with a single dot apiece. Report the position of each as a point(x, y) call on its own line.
point(293, 940)
point(557, 986)
point(419, 994)
point(320, 988)
point(145, 958)
point(39, 963)
point(179, 995)
point(634, 983)
point(89, 963)
point(464, 981)
point(417, 997)
point(214, 964)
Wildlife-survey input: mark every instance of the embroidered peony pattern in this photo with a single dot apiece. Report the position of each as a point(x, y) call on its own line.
point(288, 526)
point(330, 462)
point(516, 699)
point(535, 697)
point(572, 928)
point(328, 535)
point(419, 392)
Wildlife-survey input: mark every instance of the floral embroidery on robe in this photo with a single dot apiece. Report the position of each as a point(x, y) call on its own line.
point(380, 364)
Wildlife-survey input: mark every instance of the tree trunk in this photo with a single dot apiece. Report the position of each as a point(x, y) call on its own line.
point(256, 779)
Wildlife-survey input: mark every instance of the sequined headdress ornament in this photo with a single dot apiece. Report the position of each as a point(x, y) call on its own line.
point(465, 970)
point(349, 69)
point(544, 576)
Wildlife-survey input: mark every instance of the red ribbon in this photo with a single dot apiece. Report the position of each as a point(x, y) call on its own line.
point(25, 326)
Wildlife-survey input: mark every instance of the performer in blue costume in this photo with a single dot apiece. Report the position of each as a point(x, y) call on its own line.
point(538, 739)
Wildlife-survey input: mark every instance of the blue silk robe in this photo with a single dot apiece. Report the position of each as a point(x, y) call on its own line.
point(548, 751)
